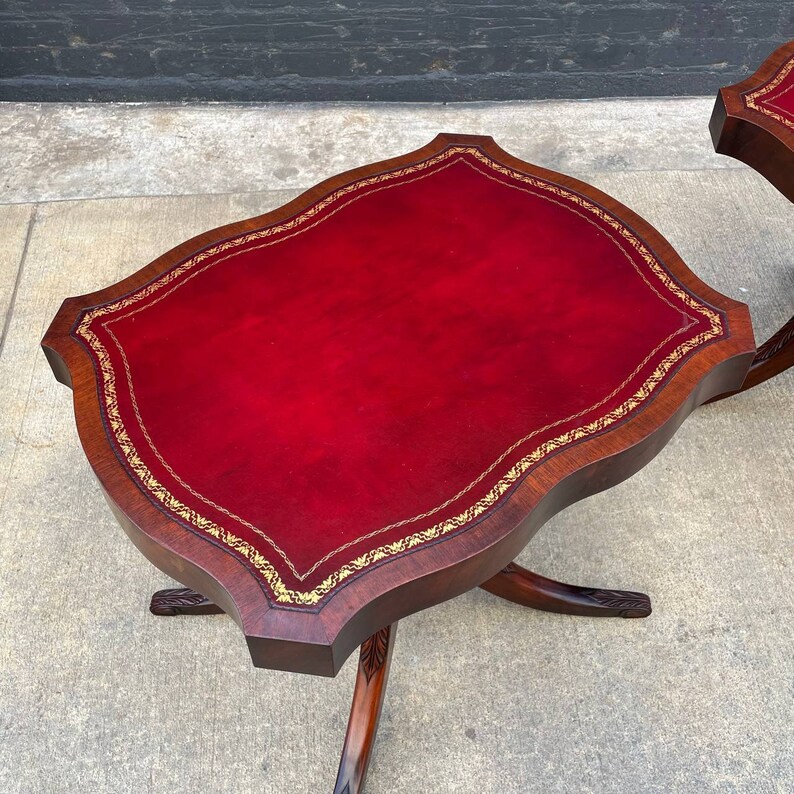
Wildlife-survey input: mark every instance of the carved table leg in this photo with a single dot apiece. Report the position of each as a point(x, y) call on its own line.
point(521, 586)
point(182, 601)
point(373, 672)
point(773, 357)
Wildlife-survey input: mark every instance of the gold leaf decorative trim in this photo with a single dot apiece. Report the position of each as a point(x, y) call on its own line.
point(281, 592)
point(752, 99)
point(302, 576)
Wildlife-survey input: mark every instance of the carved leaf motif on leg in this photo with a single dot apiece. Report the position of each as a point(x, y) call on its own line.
point(371, 675)
point(529, 589)
point(182, 601)
point(373, 652)
point(631, 604)
point(776, 343)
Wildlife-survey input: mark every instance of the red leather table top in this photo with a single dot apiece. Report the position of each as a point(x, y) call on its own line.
point(378, 372)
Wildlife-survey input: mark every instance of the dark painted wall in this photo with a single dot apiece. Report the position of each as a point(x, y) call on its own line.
point(398, 50)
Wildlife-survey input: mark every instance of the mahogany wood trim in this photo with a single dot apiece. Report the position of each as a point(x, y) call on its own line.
point(767, 146)
point(373, 672)
point(529, 589)
point(182, 601)
point(776, 355)
point(756, 139)
point(372, 676)
point(319, 642)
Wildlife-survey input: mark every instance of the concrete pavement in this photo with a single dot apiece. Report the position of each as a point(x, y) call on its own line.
point(97, 695)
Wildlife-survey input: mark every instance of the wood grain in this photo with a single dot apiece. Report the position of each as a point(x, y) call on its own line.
point(767, 146)
point(529, 589)
point(319, 642)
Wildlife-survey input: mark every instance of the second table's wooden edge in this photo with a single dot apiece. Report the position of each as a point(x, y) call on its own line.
point(754, 138)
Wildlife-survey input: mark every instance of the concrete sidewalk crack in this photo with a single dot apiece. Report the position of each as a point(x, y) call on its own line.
point(13, 299)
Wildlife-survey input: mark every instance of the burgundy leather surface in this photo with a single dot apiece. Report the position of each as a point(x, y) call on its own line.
point(378, 372)
point(775, 98)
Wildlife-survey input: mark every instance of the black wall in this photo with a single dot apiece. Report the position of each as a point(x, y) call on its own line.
point(398, 50)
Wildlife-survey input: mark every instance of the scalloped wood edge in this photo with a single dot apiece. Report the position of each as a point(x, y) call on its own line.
point(320, 641)
point(767, 146)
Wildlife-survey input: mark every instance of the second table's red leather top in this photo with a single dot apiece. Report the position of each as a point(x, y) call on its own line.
point(775, 98)
point(377, 372)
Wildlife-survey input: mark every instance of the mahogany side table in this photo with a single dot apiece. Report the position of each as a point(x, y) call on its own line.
point(331, 416)
point(753, 121)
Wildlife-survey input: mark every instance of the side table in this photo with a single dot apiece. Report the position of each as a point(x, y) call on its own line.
point(366, 402)
point(753, 121)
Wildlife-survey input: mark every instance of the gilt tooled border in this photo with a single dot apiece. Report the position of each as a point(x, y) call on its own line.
point(280, 590)
point(428, 513)
point(752, 98)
